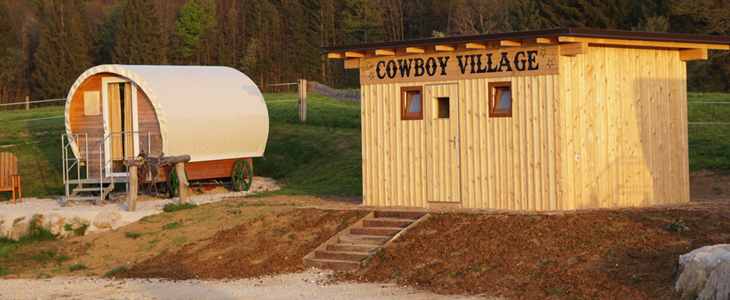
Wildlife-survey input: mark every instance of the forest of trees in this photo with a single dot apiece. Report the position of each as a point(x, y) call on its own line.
point(46, 44)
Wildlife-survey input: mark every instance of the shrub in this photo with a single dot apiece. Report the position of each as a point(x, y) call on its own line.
point(115, 271)
point(173, 207)
point(76, 267)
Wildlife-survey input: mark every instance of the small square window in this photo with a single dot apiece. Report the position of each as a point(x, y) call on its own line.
point(442, 107)
point(500, 99)
point(411, 103)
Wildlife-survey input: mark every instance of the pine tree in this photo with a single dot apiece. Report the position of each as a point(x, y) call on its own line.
point(138, 40)
point(108, 33)
point(363, 21)
point(526, 15)
point(197, 23)
point(12, 60)
point(63, 50)
point(8, 36)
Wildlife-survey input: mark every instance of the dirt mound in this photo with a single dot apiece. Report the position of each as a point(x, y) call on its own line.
point(234, 238)
point(269, 244)
point(619, 254)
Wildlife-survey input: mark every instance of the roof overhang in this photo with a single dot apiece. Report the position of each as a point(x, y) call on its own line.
point(696, 45)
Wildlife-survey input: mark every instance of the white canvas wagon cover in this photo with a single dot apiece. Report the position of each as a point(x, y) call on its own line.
point(209, 113)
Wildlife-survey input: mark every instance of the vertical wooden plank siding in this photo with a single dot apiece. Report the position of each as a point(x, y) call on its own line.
point(632, 151)
point(681, 80)
point(621, 110)
point(81, 123)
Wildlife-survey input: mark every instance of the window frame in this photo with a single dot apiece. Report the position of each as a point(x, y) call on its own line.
point(405, 103)
point(502, 113)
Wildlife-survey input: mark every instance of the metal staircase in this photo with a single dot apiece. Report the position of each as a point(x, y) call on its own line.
point(88, 179)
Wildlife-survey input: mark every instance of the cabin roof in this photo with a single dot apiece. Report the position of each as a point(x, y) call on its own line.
point(545, 36)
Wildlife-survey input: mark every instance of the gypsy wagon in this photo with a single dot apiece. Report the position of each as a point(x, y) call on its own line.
point(552, 119)
point(216, 115)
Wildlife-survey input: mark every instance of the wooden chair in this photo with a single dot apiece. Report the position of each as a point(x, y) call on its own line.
point(9, 177)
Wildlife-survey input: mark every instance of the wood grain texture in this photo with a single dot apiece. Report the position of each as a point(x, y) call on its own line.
point(608, 131)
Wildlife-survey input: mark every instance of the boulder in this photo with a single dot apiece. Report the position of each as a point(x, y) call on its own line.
point(704, 273)
point(19, 230)
point(107, 220)
point(37, 219)
point(54, 222)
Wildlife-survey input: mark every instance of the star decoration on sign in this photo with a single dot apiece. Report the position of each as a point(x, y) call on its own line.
point(372, 75)
point(550, 63)
point(543, 52)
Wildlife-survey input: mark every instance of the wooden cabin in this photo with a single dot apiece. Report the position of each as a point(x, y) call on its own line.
point(554, 119)
point(216, 115)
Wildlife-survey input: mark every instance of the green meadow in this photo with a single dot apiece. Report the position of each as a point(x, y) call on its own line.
point(321, 157)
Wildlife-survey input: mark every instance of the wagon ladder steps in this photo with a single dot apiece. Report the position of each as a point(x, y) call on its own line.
point(351, 248)
point(90, 190)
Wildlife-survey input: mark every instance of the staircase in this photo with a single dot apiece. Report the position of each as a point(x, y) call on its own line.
point(86, 188)
point(349, 249)
point(86, 167)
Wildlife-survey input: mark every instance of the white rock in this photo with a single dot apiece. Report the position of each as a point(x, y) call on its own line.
point(705, 273)
point(54, 222)
point(19, 230)
point(107, 219)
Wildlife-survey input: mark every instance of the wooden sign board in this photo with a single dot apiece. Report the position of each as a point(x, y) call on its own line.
point(504, 62)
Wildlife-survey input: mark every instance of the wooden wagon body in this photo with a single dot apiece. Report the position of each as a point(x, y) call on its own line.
point(216, 115)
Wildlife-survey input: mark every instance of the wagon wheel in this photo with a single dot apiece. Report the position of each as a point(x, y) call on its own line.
point(241, 175)
point(173, 182)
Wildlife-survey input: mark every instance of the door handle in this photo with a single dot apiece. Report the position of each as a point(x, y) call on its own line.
point(454, 140)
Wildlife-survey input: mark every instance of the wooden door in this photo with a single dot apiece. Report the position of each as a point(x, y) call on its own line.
point(442, 143)
point(120, 125)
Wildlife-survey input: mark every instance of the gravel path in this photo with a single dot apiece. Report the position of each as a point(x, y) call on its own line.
point(305, 285)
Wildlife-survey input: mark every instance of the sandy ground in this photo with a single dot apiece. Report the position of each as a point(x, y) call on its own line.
point(310, 284)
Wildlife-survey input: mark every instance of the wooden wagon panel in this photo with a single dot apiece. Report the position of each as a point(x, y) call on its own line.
point(206, 169)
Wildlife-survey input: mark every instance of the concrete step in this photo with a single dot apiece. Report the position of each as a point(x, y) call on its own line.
point(352, 248)
point(381, 231)
point(88, 189)
point(363, 239)
point(399, 214)
point(331, 264)
point(354, 256)
point(80, 198)
point(387, 222)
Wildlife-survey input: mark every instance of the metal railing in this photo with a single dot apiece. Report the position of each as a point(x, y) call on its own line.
point(68, 140)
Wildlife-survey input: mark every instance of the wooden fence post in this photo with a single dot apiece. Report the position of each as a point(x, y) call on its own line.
point(27, 103)
point(133, 186)
point(180, 168)
point(303, 100)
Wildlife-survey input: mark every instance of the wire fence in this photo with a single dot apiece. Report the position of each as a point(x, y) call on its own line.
point(32, 102)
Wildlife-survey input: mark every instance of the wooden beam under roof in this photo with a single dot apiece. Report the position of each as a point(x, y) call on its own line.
point(475, 46)
point(642, 43)
point(415, 50)
point(354, 54)
point(352, 63)
point(569, 49)
point(336, 55)
point(444, 48)
point(693, 54)
point(510, 43)
point(385, 52)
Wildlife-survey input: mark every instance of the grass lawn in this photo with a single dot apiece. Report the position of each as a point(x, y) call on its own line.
point(709, 144)
point(321, 157)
